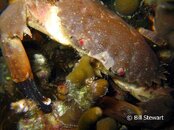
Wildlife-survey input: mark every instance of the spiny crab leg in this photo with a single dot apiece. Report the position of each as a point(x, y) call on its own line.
point(21, 73)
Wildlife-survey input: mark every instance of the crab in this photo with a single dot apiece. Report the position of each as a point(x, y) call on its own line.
point(90, 28)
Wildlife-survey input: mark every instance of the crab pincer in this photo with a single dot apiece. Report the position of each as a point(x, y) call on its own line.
point(11, 34)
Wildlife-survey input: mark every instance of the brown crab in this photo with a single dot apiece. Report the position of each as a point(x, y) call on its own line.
point(86, 25)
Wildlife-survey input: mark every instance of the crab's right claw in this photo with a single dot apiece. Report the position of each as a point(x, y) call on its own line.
point(21, 73)
point(13, 25)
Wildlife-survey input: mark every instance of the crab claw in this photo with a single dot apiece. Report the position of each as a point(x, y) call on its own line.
point(13, 26)
point(30, 90)
point(21, 73)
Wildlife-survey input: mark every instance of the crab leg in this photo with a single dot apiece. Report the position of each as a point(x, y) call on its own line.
point(142, 93)
point(21, 73)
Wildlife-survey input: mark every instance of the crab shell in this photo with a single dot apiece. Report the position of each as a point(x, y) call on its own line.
point(89, 27)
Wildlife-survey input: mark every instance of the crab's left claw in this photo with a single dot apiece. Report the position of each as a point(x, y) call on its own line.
point(12, 29)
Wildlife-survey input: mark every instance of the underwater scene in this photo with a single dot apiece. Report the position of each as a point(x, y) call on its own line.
point(86, 64)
